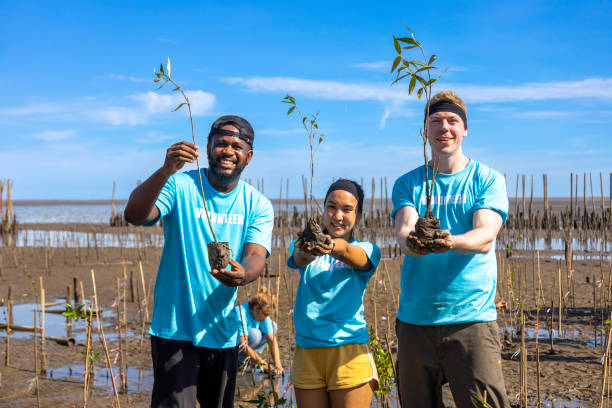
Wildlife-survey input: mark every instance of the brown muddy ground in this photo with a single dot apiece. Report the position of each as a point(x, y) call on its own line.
point(572, 372)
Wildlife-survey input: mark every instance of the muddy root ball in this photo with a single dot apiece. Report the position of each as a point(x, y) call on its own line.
point(427, 229)
point(312, 235)
point(218, 255)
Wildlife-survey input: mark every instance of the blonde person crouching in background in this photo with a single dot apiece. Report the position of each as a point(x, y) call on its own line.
point(257, 330)
point(332, 366)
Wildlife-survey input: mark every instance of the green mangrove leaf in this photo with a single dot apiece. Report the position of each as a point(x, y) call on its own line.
point(411, 85)
point(178, 107)
point(396, 62)
point(398, 48)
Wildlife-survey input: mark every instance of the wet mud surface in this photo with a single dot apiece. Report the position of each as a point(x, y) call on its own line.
point(573, 371)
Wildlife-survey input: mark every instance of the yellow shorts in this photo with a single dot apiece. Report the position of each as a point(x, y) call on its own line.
point(334, 368)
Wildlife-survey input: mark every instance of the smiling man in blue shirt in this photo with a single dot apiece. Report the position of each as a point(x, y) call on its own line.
point(194, 333)
point(447, 321)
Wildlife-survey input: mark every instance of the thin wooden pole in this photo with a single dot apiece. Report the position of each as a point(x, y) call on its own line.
point(9, 321)
point(43, 352)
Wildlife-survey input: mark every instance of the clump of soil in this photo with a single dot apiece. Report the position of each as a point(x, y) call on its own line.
point(218, 255)
point(311, 236)
point(427, 230)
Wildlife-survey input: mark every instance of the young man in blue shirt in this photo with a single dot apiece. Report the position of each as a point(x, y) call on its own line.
point(447, 321)
point(194, 331)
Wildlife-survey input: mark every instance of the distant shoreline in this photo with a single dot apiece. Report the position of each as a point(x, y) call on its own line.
point(537, 201)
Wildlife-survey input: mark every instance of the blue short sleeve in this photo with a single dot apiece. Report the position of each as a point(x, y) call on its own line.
point(493, 195)
point(166, 200)
point(401, 195)
point(266, 326)
point(290, 262)
point(259, 230)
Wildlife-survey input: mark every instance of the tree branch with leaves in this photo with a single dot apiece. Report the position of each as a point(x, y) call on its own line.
point(218, 252)
point(419, 73)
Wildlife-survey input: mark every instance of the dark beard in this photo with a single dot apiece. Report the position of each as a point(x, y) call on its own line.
point(212, 166)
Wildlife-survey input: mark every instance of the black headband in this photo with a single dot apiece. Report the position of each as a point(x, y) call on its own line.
point(225, 132)
point(445, 106)
point(351, 187)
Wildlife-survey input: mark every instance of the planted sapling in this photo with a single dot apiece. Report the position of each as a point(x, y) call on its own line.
point(313, 233)
point(218, 252)
point(419, 72)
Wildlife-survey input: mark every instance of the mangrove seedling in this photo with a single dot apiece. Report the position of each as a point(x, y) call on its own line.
point(313, 233)
point(218, 252)
point(419, 73)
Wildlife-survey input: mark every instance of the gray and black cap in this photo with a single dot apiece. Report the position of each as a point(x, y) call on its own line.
point(245, 132)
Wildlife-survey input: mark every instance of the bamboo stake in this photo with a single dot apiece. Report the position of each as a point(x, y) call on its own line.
point(537, 347)
point(560, 295)
point(1, 202)
point(36, 357)
point(592, 197)
point(9, 201)
point(68, 319)
point(88, 365)
point(103, 338)
point(373, 201)
point(606, 364)
point(119, 339)
point(144, 292)
point(9, 324)
point(75, 291)
point(523, 372)
point(530, 201)
point(43, 353)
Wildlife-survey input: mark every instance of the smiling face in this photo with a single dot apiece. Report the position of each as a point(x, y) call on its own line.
point(340, 214)
point(228, 155)
point(446, 133)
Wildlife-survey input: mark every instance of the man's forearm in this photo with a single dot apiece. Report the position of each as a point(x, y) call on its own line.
point(142, 199)
point(253, 266)
point(476, 241)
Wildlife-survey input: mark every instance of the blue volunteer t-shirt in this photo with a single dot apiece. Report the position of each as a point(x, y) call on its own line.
point(451, 288)
point(249, 322)
point(328, 308)
point(190, 304)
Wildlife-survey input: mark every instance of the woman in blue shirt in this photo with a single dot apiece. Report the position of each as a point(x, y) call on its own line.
point(332, 366)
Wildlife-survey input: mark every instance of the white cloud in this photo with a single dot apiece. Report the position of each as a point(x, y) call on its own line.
point(334, 90)
point(381, 66)
point(122, 116)
point(33, 109)
point(457, 69)
point(600, 88)
point(155, 103)
point(128, 78)
point(54, 135)
point(137, 111)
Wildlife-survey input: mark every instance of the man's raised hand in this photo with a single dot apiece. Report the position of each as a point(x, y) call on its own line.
point(178, 154)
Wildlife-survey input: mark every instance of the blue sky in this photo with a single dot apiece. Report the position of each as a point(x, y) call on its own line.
point(79, 109)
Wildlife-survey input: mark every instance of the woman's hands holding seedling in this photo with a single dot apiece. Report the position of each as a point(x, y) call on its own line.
point(321, 248)
point(178, 154)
